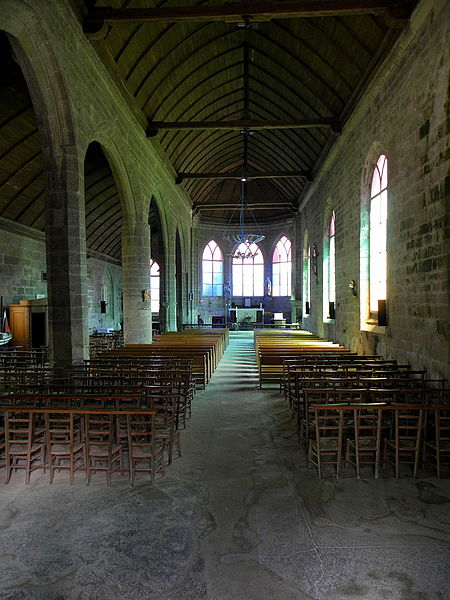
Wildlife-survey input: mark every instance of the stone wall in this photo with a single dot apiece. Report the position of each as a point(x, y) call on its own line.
point(22, 264)
point(104, 284)
point(23, 269)
point(404, 116)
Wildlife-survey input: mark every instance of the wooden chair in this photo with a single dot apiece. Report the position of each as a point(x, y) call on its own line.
point(407, 438)
point(326, 446)
point(166, 430)
point(145, 451)
point(436, 448)
point(365, 446)
point(2, 440)
point(103, 453)
point(64, 448)
point(24, 444)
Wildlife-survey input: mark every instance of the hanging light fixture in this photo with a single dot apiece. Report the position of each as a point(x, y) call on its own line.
point(243, 237)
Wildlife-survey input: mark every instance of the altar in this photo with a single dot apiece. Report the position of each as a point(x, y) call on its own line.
point(256, 315)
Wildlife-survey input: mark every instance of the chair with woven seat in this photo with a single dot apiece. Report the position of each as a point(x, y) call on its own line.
point(65, 449)
point(405, 446)
point(166, 430)
point(365, 445)
point(103, 451)
point(2, 440)
point(326, 446)
point(24, 444)
point(145, 451)
point(436, 449)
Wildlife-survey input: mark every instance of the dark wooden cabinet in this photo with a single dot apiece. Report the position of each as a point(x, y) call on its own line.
point(28, 322)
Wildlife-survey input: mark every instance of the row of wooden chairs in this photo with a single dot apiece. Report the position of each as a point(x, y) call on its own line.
point(12, 357)
point(203, 347)
point(352, 409)
point(113, 384)
point(379, 435)
point(99, 343)
point(130, 441)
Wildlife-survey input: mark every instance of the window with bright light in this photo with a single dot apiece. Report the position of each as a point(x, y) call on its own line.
point(377, 234)
point(212, 270)
point(329, 269)
point(248, 273)
point(281, 268)
point(154, 286)
point(306, 276)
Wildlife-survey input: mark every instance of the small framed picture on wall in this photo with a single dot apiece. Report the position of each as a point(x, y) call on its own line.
point(247, 302)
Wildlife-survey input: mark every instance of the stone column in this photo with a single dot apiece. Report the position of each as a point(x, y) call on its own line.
point(137, 313)
point(170, 300)
point(66, 262)
point(195, 260)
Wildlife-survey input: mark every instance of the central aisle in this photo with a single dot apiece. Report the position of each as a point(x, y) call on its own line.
point(251, 511)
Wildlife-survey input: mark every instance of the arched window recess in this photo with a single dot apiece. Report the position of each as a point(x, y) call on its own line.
point(212, 270)
point(282, 267)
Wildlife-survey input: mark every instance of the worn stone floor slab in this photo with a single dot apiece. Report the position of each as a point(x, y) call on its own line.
point(239, 516)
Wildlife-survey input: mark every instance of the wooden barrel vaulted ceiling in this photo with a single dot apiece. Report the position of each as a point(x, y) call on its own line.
point(259, 89)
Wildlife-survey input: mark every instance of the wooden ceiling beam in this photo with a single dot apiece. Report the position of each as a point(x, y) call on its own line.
point(249, 176)
point(241, 125)
point(251, 205)
point(397, 11)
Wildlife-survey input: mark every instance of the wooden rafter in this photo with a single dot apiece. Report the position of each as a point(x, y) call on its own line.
point(249, 175)
point(251, 205)
point(239, 124)
point(234, 12)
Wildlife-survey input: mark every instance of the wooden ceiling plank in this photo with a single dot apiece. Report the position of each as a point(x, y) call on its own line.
point(169, 138)
point(18, 142)
point(204, 82)
point(28, 162)
point(196, 155)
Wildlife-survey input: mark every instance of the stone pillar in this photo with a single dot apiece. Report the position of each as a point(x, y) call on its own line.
point(170, 300)
point(66, 262)
point(137, 313)
point(195, 261)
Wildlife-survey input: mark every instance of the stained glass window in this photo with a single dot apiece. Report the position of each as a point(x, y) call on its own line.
point(248, 273)
point(212, 270)
point(154, 285)
point(281, 268)
point(306, 277)
point(377, 235)
point(329, 269)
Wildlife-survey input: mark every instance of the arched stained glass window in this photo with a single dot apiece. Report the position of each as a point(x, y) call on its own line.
point(377, 234)
point(281, 268)
point(212, 270)
point(154, 285)
point(306, 276)
point(329, 270)
point(248, 273)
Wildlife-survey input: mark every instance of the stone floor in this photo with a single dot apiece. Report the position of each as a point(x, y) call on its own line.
point(239, 516)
